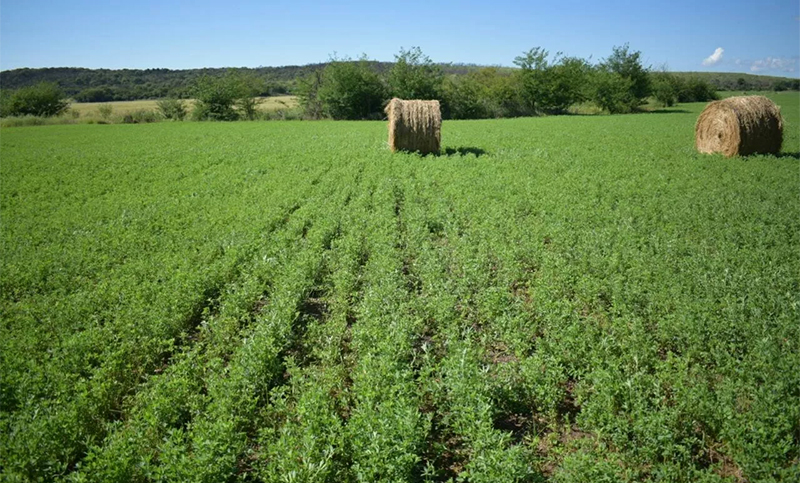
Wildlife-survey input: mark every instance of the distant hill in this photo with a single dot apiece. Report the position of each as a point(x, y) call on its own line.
point(735, 81)
point(100, 85)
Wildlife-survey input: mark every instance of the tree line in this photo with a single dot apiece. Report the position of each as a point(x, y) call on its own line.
point(105, 85)
point(541, 84)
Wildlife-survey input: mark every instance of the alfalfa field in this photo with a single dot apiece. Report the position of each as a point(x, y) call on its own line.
point(567, 298)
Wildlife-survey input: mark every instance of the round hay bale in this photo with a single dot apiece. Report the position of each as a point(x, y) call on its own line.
point(740, 126)
point(414, 125)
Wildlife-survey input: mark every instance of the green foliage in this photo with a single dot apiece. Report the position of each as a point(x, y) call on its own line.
point(218, 97)
point(464, 98)
point(621, 83)
point(415, 76)
point(95, 94)
point(308, 95)
point(666, 88)
point(105, 110)
point(174, 109)
point(551, 86)
point(695, 89)
point(533, 79)
point(141, 116)
point(351, 90)
point(44, 99)
point(612, 92)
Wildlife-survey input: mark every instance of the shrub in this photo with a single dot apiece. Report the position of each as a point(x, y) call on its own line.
point(351, 90)
point(105, 110)
point(415, 76)
point(43, 99)
point(612, 92)
point(463, 98)
point(174, 109)
point(141, 116)
point(218, 97)
point(696, 90)
point(550, 87)
point(308, 95)
point(666, 87)
point(621, 82)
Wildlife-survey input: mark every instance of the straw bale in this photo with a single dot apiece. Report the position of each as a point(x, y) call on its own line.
point(741, 126)
point(414, 125)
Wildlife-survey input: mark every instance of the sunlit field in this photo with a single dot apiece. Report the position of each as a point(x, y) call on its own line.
point(564, 298)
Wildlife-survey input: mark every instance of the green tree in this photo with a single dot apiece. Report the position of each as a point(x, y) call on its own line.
point(532, 78)
point(219, 97)
point(464, 97)
point(351, 90)
point(550, 86)
point(174, 109)
point(415, 76)
point(666, 87)
point(621, 82)
point(308, 94)
point(696, 89)
point(43, 99)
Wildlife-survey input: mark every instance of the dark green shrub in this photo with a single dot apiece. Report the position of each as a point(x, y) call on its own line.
point(43, 99)
point(612, 92)
point(308, 95)
point(696, 90)
point(550, 87)
point(141, 116)
point(174, 109)
point(464, 98)
point(415, 76)
point(621, 82)
point(666, 87)
point(217, 97)
point(351, 90)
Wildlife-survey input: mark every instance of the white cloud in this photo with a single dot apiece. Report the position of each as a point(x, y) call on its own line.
point(715, 57)
point(774, 63)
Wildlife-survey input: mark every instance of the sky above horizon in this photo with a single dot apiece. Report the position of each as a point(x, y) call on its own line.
point(759, 37)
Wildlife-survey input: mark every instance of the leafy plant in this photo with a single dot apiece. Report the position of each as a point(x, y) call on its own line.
point(415, 76)
point(44, 99)
point(174, 109)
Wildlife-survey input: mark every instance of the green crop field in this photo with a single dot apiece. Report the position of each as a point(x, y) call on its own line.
point(568, 299)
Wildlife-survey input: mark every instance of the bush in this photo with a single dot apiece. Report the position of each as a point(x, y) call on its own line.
point(105, 110)
point(550, 87)
point(415, 76)
point(308, 95)
point(464, 98)
point(141, 116)
point(621, 83)
point(612, 92)
point(44, 99)
point(174, 109)
point(218, 97)
point(351, 90)
point(696, 90)
point(666, 87)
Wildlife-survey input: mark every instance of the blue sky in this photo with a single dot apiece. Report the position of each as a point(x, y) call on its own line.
point(758, 36)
